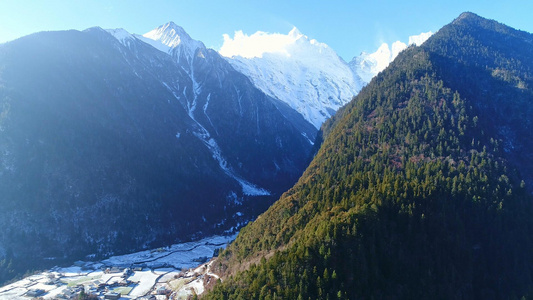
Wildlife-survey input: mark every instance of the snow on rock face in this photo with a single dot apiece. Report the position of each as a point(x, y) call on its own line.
point(171, 36)
point(121, 35)
point(368, 65)
point(307, 75)
point(172, 39)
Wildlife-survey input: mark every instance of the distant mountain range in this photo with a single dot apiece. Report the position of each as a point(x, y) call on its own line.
point(113, 142)
point(306, 74)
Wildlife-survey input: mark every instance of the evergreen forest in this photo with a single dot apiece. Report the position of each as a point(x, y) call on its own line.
point(421, 188)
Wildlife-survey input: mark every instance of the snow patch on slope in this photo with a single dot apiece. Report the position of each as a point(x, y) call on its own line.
point(368, 65)
point(248, 188)
point(307, 75)
point(121, 35)
point(203, 134)
point(173, 40)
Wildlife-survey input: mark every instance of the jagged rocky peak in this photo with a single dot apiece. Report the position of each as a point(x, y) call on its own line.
point(171, 38)
point(302, 72)
point(169, 34)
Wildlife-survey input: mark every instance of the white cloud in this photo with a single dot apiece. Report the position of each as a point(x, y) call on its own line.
point(419, 39)
point(255, 45)
point(399, 46)
point(369, 65)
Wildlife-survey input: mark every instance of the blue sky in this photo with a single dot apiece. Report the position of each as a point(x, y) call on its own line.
point(348, 26)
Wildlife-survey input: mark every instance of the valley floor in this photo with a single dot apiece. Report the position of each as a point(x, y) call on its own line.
point(150, 274)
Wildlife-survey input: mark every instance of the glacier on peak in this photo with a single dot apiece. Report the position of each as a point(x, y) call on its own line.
point(307, 75)
point(368, 65)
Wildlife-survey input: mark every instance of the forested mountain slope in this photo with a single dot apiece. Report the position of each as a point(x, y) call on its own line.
point(420, 190)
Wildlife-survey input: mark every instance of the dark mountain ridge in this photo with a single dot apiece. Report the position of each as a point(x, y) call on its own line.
point(110, 146)
point(499, 83)
point(420, 190)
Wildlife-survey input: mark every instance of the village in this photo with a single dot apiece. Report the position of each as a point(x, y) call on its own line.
point(176, 272)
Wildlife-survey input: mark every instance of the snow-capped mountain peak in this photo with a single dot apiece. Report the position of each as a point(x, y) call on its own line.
point(169, 34)
point(170, 38)
point(307, 75)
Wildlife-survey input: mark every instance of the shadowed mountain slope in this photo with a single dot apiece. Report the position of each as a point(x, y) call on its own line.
point(108, 144)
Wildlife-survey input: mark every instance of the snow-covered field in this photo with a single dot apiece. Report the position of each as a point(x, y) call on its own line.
point(179, 256)
point(170, 268)
point(146, 279)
